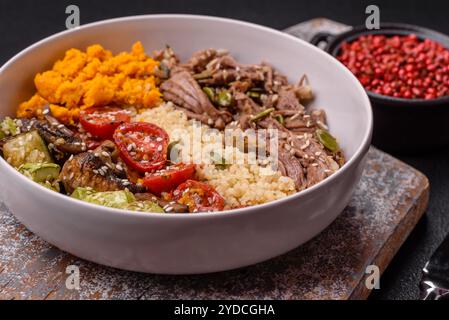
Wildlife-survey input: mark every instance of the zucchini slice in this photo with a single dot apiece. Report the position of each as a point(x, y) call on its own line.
point(25, 148)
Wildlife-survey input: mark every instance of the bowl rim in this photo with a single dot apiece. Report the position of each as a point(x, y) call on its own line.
point(390, 28)
point(98, 209)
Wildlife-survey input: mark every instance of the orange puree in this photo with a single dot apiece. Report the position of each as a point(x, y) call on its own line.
point(94, 78)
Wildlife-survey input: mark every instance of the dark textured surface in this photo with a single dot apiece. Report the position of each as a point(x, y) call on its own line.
point(24, 22)
point(388, 202)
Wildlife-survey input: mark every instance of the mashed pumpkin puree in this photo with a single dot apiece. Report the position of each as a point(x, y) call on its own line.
point(94, 78)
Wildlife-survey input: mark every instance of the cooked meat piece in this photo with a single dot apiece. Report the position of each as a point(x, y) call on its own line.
point(222, 62)
point(279, 81)
point(297, 123)
point(226, 76)
point(184, 91)
point(291, 167)
point(240, 86)
point(270, 123)
point(168, 62)
point(288, 100)
point(201, 59)
point(246, 105)
point(268, 69)
point(99, 169)
point(319, 117)
point(314, 158)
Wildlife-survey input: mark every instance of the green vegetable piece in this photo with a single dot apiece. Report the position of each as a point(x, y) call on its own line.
point(210, 92)
point(280, 119)
point(2, 135)
point(113, 199)
point(254, 94)
point(25, 148)
point(224, 98)
point(122, 199)
point(328, 141)
point(262, 114)
point(9, 127)
point(145, 206)
point(52, 186)
point(202, 75)
point(41, 172)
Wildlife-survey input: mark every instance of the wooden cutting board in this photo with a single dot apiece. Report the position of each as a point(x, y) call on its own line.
point(389, 200)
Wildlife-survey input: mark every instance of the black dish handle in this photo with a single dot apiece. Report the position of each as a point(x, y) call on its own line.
point(320, 37)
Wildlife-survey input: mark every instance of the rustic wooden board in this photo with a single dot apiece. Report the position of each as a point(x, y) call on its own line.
point(387, 204)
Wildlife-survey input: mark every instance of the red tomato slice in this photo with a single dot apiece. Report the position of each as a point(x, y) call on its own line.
point(169, 178)
point(101, 122)
point(198, 196)
point(142, 145)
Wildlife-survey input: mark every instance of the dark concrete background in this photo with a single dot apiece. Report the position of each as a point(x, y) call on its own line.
point(24, 22)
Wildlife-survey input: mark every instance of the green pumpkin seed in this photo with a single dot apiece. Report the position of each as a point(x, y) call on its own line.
point(210, 92)
point(262, 114)
point(224, 99)
point(328, 141)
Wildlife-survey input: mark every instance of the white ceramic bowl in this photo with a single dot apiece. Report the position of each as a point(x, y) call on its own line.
point(204, 242)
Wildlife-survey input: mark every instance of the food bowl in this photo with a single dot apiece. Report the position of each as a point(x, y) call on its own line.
point(401, 125)
point(202, 242)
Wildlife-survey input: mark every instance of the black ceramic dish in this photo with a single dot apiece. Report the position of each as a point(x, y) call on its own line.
point(400, 125)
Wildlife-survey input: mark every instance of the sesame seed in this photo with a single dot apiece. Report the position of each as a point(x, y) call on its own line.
point(104, 153)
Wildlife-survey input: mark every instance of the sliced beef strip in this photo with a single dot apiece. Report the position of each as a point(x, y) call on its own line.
point(99, 169)
point(184, 91)
point(314, 158)
point(291, 167)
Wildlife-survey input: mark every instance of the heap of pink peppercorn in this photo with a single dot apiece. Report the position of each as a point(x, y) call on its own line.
point(399, 66)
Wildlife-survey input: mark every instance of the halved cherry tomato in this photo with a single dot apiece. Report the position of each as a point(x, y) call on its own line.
point(169, 178)
point(198, 196)
point(101, 122)
point(142, 145)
